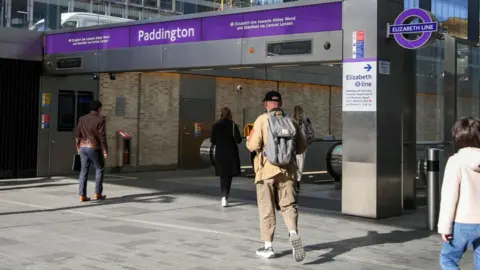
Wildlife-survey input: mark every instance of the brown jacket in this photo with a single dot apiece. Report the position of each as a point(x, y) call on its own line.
point(263, 169)
point(91, 131)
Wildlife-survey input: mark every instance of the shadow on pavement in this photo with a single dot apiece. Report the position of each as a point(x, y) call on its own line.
point(18, 182)
point(372, 238)
point(306, 204)
point(37, 186)
point(158, 197)
point(166, 189)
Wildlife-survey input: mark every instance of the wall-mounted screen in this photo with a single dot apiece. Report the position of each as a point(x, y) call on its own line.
point(73, 62)
point(289, 48)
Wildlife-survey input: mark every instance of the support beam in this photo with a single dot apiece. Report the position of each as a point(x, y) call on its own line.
point(473, 19)
point(8, 13)
point(425, 4)
point(450, 93)
point(71, 6)
point(30, 13)
point(53, 18)
point(378, 143)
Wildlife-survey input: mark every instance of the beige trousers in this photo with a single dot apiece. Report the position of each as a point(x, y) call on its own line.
point(269, 193)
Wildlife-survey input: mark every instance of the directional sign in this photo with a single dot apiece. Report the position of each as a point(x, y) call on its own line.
point(403, 25)
point(359, 86)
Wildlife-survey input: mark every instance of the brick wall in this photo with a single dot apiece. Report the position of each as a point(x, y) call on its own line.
point(336, 112)
point(323, 104)
point(315, 101)
point(151, 116)
point(126, 85)
point(159, 118)
point(245, 105)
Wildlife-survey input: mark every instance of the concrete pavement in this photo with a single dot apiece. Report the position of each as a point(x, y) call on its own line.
point(173, 220)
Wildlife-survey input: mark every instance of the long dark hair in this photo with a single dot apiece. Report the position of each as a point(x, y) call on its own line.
point(225, 113)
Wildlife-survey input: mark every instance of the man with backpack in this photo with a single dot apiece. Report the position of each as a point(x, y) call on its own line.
point(276, 139)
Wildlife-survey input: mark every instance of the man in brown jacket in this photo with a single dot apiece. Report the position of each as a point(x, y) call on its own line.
point(91, 141)
point(275, 184)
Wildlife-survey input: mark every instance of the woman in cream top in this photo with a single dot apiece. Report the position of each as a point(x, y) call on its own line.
point(459, 220)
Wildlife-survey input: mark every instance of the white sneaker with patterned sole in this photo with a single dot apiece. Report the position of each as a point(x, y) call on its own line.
point(297, 247)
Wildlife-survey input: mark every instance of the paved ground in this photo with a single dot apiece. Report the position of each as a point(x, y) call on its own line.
point(173, 221)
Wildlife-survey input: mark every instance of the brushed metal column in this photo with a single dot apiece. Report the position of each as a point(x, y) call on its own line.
point(450, 93)
point(377, 165)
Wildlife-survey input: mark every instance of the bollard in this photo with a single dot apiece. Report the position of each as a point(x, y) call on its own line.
point(433, 187)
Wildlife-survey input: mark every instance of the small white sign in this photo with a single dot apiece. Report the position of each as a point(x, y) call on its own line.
point(384, 67)
point(359, 86)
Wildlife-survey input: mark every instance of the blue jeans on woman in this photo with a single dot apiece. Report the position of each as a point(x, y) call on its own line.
point(464, 236)
point(88, 156)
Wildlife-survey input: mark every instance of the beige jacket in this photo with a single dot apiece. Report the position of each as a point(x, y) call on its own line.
point(263, 169)
point(460, 200)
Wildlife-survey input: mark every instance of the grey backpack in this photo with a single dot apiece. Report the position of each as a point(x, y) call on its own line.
point(280, 148)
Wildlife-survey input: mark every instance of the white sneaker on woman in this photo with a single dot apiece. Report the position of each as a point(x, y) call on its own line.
point(224, 202)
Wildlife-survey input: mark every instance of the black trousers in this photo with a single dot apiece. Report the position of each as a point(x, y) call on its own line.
point(225, 184)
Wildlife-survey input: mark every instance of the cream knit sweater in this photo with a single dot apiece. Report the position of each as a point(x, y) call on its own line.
point(460, 201)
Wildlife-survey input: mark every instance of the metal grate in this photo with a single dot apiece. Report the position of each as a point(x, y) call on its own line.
point(19, 99)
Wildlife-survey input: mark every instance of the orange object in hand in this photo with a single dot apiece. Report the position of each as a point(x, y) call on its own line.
point(251, 132)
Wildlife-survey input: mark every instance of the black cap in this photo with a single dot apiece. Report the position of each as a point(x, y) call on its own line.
point(273, 96)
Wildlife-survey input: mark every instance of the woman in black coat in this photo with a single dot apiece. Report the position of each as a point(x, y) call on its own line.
point(225, 137)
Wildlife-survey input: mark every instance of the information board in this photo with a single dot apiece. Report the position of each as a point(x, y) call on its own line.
point(359, 86)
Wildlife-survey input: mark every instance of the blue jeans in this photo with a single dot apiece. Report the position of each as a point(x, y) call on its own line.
point(464, 235)
point(88, 156)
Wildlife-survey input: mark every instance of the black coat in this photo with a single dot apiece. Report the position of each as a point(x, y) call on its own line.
point(225, 137)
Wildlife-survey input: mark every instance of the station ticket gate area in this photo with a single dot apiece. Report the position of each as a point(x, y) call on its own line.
point(378, 151)
point(322, 164)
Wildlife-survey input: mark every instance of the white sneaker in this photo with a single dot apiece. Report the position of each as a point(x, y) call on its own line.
point(297, 247)
point(224, 202)
point(266, 252)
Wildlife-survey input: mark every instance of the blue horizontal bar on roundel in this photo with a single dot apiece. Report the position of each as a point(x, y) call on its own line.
point(413, 28)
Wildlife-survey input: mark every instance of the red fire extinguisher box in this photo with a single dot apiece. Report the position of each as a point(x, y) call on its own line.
point(124, 148)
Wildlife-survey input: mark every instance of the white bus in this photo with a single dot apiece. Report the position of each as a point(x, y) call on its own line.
point(80, 19)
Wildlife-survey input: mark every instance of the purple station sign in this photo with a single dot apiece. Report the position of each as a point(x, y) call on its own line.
point(282, 21)
point(426, 28)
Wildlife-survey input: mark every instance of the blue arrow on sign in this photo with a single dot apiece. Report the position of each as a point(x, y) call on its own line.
point(368, 67)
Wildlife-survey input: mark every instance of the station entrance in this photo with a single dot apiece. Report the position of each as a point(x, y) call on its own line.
point(164, 82)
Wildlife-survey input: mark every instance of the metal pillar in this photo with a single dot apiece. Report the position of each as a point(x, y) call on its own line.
point(409, 136)
point(2, 11)
point(433, 187)
point(450, 94)
point(53, 18)
point(378, 146)
point(473, 30)
point(8, 13)
point(71, 5)
point(30, 13)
